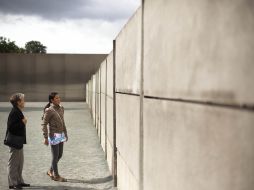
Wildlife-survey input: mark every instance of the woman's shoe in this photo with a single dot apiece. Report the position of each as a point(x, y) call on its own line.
point(24, 185)
point(59, 178)
point(15, 187)
point(50, 174)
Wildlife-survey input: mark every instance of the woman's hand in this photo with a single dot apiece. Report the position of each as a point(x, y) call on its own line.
point(46, 142)
point(24, 120)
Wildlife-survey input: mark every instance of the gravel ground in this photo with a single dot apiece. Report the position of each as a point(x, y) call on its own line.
point(83, 162)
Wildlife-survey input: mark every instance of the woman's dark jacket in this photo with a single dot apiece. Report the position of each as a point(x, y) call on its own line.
point(15, 124)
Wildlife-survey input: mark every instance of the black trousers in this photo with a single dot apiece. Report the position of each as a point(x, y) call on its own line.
point(57, 153)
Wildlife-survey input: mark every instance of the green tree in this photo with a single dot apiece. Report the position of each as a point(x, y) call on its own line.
point(7, 46)
point(22, 50)
point(35, 47)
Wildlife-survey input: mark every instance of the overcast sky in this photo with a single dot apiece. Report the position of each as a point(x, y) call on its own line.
point(66, 26)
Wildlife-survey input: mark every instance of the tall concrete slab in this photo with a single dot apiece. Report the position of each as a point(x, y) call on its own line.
point(109, 93)
point(27, 70)
point(103, 104)
point(56, 75)
point(199, 50)
point(193, 146)
point(110, 155)
point(103, 77)
point(90, 93)
point(110, 137)
point(110, 75)
point(3, 79)
point(102, 134)
point(127, 141)
point(37, 75)
point(98, 100)
point(110, 120)
point(14, 77)
point(43, 77)
point(94, 99)
point(87, 92)
point(100, 97)
point(74, 78)
point(128, 52)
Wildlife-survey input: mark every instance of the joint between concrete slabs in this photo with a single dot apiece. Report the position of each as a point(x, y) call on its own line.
point(242, 107)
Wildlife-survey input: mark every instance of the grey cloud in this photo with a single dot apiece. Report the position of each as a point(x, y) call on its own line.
point(71, 9)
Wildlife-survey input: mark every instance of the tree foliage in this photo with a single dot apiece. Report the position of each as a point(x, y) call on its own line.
point(8, 46)
point(35, 47)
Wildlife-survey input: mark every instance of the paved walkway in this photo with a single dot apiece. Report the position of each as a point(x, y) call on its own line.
point(83, 162)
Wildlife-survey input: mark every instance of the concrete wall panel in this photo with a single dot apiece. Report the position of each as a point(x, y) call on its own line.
point(125, 177)
point(128, 54)
point(103, 103)
point(110, 75)
point(103, 77)
point(3, 79)
point(191, 146)
point(110, 119)
point(103, 122)
point(109, 155)
point(98, 108)
point(201, 50)
point(94, 98)
point(37, 75)
point(87, 93)
point(127, 141)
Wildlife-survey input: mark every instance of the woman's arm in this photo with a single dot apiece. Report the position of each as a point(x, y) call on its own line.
point(45, 122)
point(64, 126)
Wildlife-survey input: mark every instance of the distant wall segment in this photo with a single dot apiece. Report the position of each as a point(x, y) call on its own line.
point(36, 75)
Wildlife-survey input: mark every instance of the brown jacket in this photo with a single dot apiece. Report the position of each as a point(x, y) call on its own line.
point(52, 118)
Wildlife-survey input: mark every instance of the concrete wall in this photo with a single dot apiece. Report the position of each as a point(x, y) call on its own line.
point(128, 53)
point(109, 111)
point(38, 74)
point(203, 54)
point(182, 99)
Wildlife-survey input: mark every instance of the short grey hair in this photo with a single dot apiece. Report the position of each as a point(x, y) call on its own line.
point(15, 98)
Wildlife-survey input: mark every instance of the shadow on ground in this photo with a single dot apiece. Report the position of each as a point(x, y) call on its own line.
point(91, 181)
point(60, 188)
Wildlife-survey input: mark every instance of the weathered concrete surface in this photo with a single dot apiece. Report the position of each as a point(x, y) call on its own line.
point(109, 93)
point(194, 52)
point(110, 139)
point(110, 73)
point(127, 141)
point(199, 50)
point(110, 119)
point(110, 156)
point(191, 146)
point(128, 54)
point(103, 104)
point(103, 77)
point(103, 122)
point(83, 162)
point(94, 99)
point(38, 74)
point(97, 93)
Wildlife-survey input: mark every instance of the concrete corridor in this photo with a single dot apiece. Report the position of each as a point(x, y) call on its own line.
point(83, 162)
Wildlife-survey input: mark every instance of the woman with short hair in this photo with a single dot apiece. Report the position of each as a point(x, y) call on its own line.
point(16, 128)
